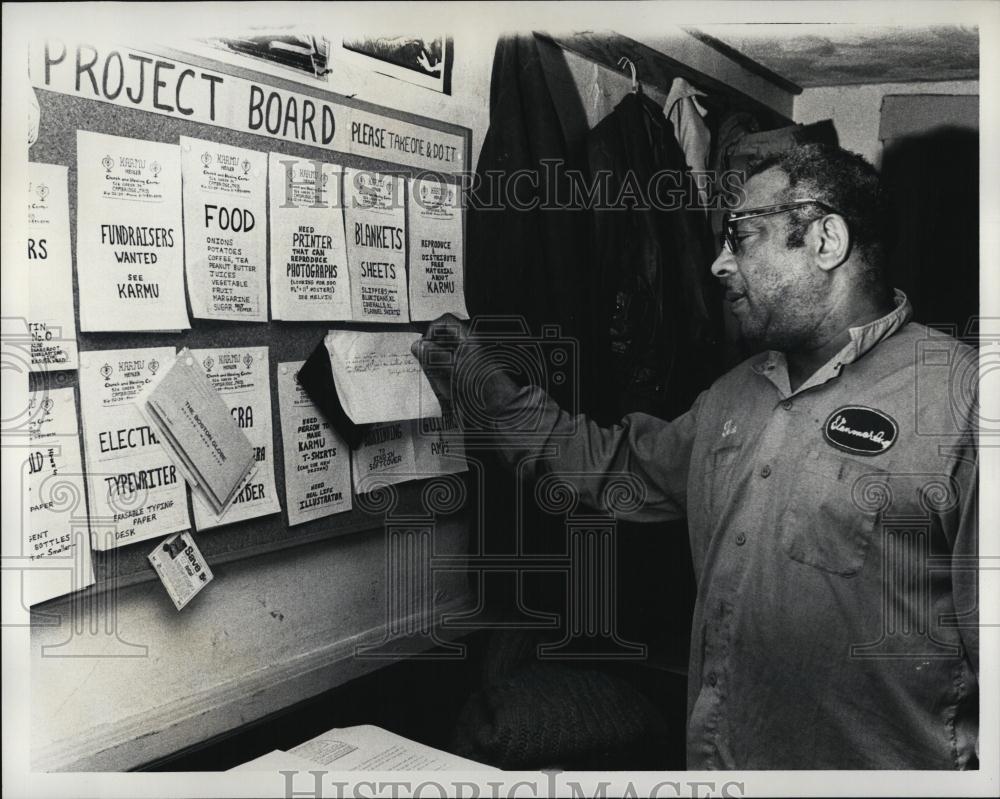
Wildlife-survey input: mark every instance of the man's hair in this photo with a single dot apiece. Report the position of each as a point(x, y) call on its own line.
point(842, 180)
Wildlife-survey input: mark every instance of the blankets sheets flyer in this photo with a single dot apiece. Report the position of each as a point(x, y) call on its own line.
point(437, 283)
point(129, 240)
point(375, 218)
point(55, 530)
point(317, 461)
point(309, 275)
point(241, 375)
point(225, 230)
point(134, 489)
point(51, 324)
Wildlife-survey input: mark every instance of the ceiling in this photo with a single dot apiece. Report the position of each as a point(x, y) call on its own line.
point(835, 54)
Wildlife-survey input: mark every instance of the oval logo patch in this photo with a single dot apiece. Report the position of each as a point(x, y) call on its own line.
point(860, 430)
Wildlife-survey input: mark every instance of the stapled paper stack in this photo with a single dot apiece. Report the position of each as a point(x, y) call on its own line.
point(198, 432)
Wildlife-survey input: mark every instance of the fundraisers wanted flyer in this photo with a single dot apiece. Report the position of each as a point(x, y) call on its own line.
point(375, 219)
point(241, 375)
point(225, 230)
point(437, 284)
point(134, 489)
point(51, 324)
point(317, 461)
point(129, 239)
point(55, 533)
point(309, 277)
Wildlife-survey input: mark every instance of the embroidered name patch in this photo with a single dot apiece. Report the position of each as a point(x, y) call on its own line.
point(861, 430)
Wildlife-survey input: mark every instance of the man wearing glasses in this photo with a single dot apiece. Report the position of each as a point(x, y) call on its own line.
point(829, 483)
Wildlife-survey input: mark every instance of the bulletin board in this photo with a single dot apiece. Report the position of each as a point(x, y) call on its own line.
point(61, 116)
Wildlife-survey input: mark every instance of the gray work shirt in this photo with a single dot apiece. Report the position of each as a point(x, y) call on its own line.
point(834, 532)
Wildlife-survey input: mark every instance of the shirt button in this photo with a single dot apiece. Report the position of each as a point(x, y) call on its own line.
point(712, 679)
point(741, 539)
point(787, 405)
point(765, 471)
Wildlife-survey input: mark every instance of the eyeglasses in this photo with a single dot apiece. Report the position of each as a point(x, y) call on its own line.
point(729, 238)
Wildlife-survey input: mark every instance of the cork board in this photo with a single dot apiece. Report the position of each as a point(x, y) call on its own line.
point(61, 117)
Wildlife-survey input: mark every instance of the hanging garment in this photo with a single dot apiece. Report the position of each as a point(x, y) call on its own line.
point(686, 115)
point(525, 258)
point(655, 305)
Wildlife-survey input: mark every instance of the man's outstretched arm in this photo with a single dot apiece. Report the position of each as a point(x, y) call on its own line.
point(637, 468)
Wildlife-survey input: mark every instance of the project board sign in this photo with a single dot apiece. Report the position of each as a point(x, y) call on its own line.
point(160, 85)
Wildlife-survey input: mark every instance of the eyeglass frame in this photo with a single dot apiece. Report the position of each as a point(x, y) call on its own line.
point(731, 218)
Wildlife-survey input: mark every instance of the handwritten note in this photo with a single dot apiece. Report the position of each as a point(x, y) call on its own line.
point(135, 490)
point(377, 377)
point(130, 244)
point(309, 276)
point(51, 323)
point(55, 530)
point(225, 224)
point(437, 284)
point(317, 461)
point(375, 218)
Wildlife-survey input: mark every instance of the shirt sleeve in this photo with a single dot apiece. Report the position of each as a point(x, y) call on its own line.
point(963, 534)
point(636, 469)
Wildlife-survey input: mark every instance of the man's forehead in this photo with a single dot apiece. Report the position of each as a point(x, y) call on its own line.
point(765, 188)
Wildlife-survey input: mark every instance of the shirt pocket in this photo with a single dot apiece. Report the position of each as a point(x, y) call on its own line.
point(827, 522)
point(717, 479)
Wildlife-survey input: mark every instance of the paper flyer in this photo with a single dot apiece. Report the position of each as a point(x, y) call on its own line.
point(225, 230)
point(438, 446)
point(317, 461)
point(241, 375)
point(385, 457)
point(377, 377)
point(437, 282)
point(55, 532)
point(129, 240)
point(199, 433)
point(51, 323)
point(310, 281)
point(134, 489)
point(375, 220)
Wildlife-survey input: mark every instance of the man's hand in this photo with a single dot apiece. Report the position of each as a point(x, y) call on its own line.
point(438, 352)
point(447, 350)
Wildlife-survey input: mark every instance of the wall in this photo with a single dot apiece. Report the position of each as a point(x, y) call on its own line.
point(856, 110)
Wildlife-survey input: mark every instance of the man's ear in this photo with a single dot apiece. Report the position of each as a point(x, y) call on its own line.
point(830, 241)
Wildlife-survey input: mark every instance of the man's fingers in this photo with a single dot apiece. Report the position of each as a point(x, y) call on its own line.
point(447, 328)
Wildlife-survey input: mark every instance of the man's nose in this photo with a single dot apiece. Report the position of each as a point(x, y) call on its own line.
point(725, 264)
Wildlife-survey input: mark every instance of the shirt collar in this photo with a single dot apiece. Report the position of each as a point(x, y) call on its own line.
point(774, 367)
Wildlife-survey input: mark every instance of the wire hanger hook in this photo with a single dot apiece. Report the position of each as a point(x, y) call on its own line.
point(624, 62)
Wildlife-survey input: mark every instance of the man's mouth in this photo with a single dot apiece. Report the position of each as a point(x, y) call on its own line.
point(732, 297)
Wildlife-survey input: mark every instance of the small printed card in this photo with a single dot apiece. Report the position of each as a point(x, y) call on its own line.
point(181, 568)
